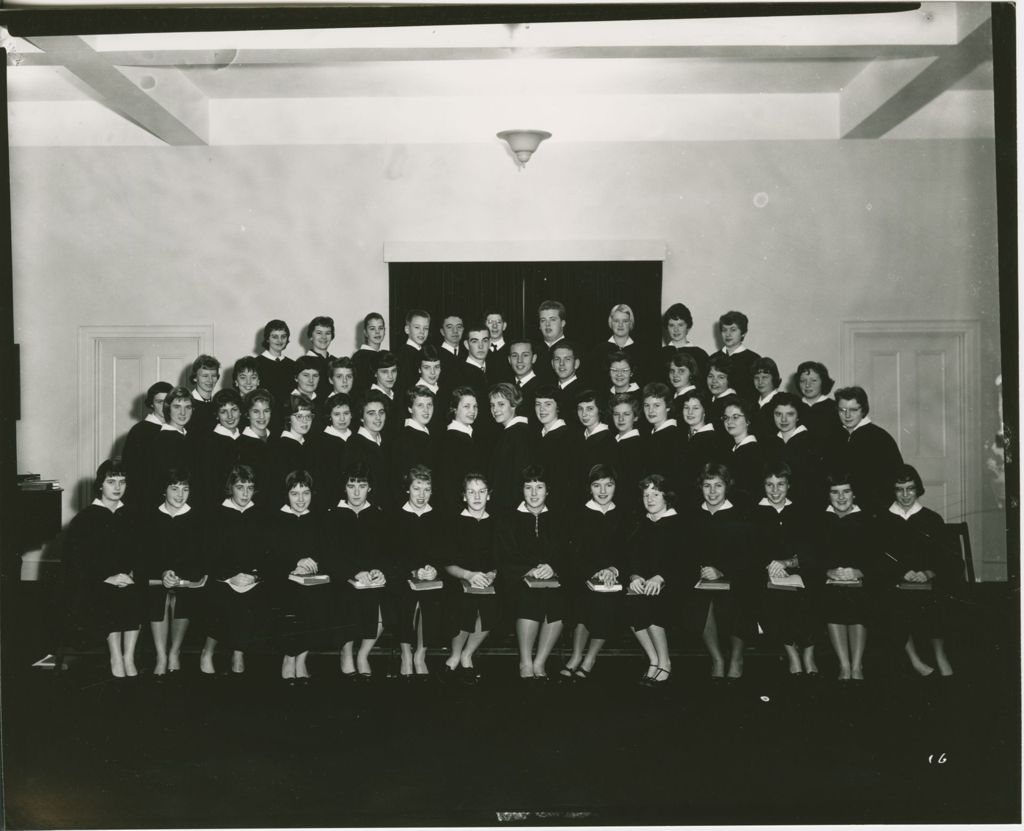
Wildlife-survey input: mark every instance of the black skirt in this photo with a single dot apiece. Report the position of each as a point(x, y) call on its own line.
point(235, 618)
point(115, 609)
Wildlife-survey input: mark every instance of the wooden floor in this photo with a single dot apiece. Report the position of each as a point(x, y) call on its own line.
point(83, 751)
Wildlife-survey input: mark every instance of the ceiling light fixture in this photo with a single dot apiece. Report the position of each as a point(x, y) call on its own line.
point(523, 143)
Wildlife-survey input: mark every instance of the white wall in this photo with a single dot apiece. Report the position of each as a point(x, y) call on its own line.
point(235, 236)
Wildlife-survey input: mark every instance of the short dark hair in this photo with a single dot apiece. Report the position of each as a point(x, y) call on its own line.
point(740, 404)
point(656, 389)
point(383, 360)
point(507, 391)
point(553, 305)
point(767, 365)
point(683, 360)
point(176, 394)
point(533, 473)
point(601, 471)
point(457, 395)
point(203, 362)
point(109, 467)
point(154, 391)
point(733, 317)
point(722, 363)
point(239, 473)
point(357, 472)
point(298, 477)
point(247, 363)
point(908, 473)
point(372, 316)
point(304, 363)
point(372, 397)
point(175, 476)
point(779, 470)
point(274, 325)
point(418, 391)
point(257, 395)
point(659, 483)
point(715, 469)
point(565, 343)
point(338, 399)
point(428, 352)
point(854, 394)
point(677, 311)
point(420, 472)
point(548, 391)
point(625, 398)
point(409, 315)
point(298, 401)
point(615, 357)
point(227, 396)
point(819, 369)
point(320, 320)
point(838, 477)
point(700, 396)
point(343, 362)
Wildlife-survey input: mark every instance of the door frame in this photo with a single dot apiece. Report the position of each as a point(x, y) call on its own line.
point(89, 340)
point(968, 335)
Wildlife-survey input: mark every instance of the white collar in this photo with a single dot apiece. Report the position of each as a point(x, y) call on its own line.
point(432, 387)
point(221, 430)
point(252, 434)
point(767, 503)
point(820, 398)
point(668, 422)
point(629, 341)
point(593, 506)
point(466, 512)
point(679, 344)
point(684, 390)
point(796, 431)
point(458, 426)
point(554, 342)
point(563, 384)
point(740, 348)
point(365, 347)
point(854, 510)
point(415, 425)
point(600, 427)
point(174, 428)
point(498, 344)
point(703, 429)
point(152, 418)
point(288, 434)
point(331, 430)
point(748, 439)
point(524, 510)
point(389, 393)
point(529, 376)
point(408, 342)
point(266, 353)
point(326, 355)
point(729, 391)
point(310, 395)
point(288, 509)
point(227, 503)
point(474, 362)
point(724, 507)
point(447, 347)
point(861, 423)
point(762, 401)
point(184, 510)
point(633, 387)
point(627, 435)
point(366, 434)
point(917, 507)
point(197, 396)
point(408, 508)
point(114, 510)
point(515, 420)
point(554, 425)
point(344, 504)
point(660, 517)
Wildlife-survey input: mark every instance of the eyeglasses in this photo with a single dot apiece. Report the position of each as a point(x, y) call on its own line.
point(302, 416)
point(733, 417)
point(849, 410)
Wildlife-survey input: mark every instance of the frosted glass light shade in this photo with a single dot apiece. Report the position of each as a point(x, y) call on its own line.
point(523, 142)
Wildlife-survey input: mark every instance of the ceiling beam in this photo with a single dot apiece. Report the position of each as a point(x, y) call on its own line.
point(161, 101)
point(887, 92)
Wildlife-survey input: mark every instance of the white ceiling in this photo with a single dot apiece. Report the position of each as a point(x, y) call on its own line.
point(919, 74)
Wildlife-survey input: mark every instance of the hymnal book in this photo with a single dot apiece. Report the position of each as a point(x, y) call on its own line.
point(599, 586)
point(551, 582)
point(471, 589)
point(310, 579)
point(357, 585)
point(852, 584)
point(721, 584)
point(242, 589)
point(906, 585)
point(424, 585)
point(791, 582)
point(182, 583)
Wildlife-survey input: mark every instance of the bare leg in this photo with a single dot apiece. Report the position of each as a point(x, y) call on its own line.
point(710, 636)
point(288, 667)
point(458, 643)
point(300, 665)
point(810, 665)
point(579, 641)
point(206, 657)
point(593, 650)
point(858, 640)
point(179, 626)
point(419, 658)
point(795, 667)
point(237, 662)
point(945, 667)
point(526, 635)
point(159, 629)
point(348, 664)
point(837, 634)
point(130, 639)
point(363, 656)
point(920, 667)
point(405, 670)
point(660, 641)
point(116, 659)
point(735, 657)
point(476, 637)
point(549, 634)
point(643, 637)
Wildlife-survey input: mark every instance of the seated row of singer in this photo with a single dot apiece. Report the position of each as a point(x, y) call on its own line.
point(656, 561)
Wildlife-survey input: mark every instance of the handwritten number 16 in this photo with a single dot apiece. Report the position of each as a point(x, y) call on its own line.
point(937, 760)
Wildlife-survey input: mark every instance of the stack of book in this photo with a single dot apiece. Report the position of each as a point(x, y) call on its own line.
point(720, 585)
point(791, 582)
point(418, 585)
point(551, 582)
point(601, 586)
point(469, 588)
point(310, 579)
point(34, 482)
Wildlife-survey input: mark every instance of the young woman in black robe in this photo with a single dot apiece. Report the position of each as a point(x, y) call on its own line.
point(459, 452)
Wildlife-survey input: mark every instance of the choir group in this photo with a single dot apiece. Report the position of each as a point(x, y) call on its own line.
point(445, 492)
